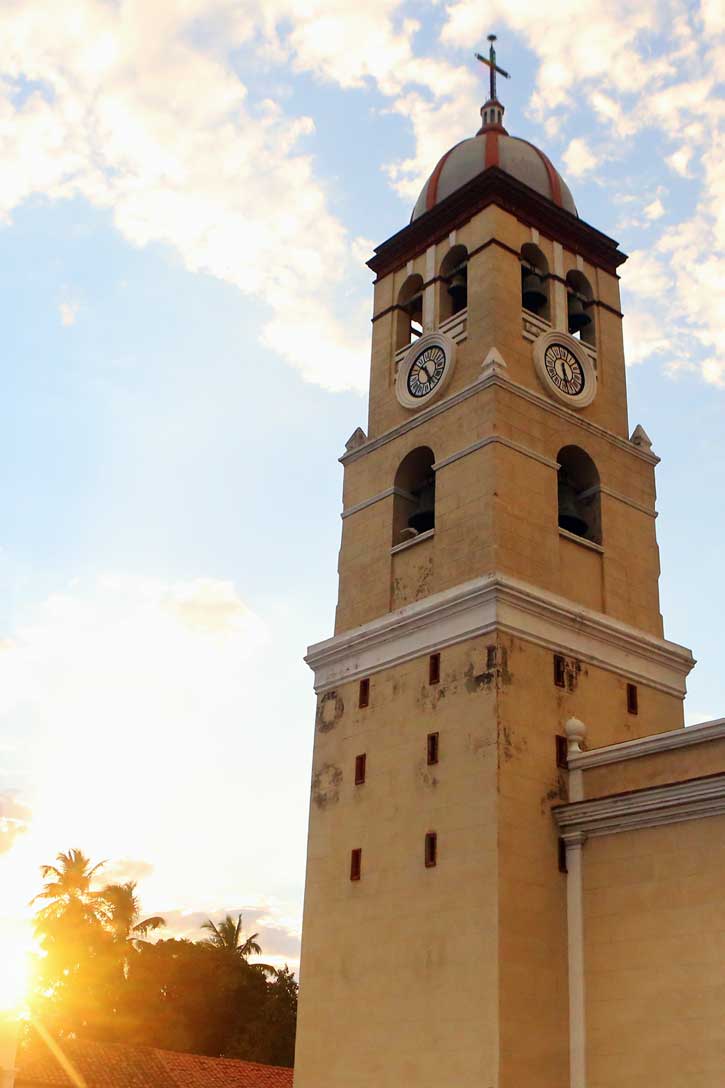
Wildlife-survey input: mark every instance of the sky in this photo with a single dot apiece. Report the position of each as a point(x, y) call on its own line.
point(189, 192)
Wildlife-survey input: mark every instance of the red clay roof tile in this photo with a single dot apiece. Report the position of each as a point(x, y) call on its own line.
point(115, 1065)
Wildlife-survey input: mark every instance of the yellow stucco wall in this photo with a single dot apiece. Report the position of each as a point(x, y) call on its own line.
point(654, 930)
point(399, 970)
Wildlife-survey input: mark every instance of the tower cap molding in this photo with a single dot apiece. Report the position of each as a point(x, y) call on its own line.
point(494, 186)
point(498, 602)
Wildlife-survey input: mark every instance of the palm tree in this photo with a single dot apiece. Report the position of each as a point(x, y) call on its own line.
point(226, 937)
point(122, 913)
point(68, 892)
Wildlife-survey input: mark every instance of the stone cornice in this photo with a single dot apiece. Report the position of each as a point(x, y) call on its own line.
point(650, 807)
point(495, 439)
point(495, 186)
point(502, 382)
point(496, 602)
point(648, 746)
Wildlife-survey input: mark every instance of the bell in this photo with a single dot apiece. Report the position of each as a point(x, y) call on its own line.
point(533, 295)
point(569, 514)
point(457, 288)
point(578, 317)
point(423, 518)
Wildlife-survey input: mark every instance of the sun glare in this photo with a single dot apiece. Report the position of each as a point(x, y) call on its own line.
point(14, 978)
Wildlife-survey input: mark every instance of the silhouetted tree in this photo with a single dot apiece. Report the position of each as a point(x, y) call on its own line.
point(102, 978)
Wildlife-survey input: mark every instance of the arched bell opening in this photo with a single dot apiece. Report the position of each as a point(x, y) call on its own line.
point(535, 281)
point(453, 283)
point(414, 497)
point(580, 311)
point(409, 314)
point(579, 494)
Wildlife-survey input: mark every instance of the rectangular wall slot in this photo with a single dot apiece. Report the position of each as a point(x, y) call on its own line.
point(431, 849)
point(434, 669)
point(560, 670)
point(355, 864)
point(562, 752)
point(364, 698)
point(632, 699)
point(563, 868)
point(432, 748)
point(360, 762)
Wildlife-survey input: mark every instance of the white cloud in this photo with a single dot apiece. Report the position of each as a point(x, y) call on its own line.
point(145, 711)
point(655, 209)
point(579, 158)
point(680, 160)
point(116, 117)
point(68, 312)
point(122, 120)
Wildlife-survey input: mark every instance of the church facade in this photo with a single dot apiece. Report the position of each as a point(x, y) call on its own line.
point(514, 865)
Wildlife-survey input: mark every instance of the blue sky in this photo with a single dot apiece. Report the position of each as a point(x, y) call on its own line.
point(189, 193)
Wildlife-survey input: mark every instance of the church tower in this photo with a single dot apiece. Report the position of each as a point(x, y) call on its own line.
point(498, 577)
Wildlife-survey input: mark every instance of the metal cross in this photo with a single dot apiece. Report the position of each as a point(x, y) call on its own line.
point(490, 61)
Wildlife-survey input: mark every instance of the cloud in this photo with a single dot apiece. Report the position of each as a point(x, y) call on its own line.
point(106, 105)
point(68, 313)
point(654, 210)
point(579, 158)
point(278, 936)
point(115, 115)
point(147, 711)
point(14, 819)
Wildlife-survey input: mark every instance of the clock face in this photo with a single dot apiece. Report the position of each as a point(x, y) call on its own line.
point(426, 371)
point(564, 369)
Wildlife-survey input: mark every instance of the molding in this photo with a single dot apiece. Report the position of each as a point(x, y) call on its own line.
point(376, 498)
point(495, 186)
point(413, 540)
point(653, 806)
point(505, 383)
point(612, 494)
point(581, 540)
point(497, 439)
point(575, 949)
point(649, 746)
point(496, 602)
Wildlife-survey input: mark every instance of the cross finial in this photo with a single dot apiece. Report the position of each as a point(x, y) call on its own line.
point(493, 68)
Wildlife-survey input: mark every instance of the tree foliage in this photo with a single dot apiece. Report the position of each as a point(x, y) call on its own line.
point(100, 977)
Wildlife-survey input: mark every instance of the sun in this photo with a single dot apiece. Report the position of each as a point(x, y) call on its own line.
point(14, 978)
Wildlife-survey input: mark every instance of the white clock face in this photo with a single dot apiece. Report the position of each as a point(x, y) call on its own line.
point(564, 369)
point(425, 370)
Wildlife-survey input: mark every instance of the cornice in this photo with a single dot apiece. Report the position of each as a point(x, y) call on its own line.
point(496, 602)
point(648, 746)
point(653, 806)
point(501, 381)
point(495, 186)
point(495, 439)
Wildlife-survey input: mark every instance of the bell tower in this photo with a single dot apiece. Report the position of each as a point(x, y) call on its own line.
point(498, 576)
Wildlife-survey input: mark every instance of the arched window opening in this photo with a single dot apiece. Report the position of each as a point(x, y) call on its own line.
point(414, 498)
point(534, 281)
point(410, 312)
point(454, 283)
point(578, 494)
point(579, 298)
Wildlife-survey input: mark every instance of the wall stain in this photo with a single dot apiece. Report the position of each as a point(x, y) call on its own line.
point(559, 792)
point(510, 744)
point(495, 674)
point(326, 784)
point(330, 709)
